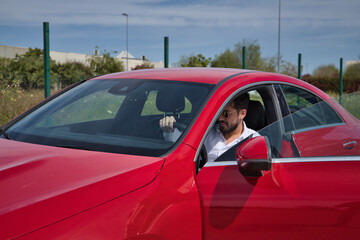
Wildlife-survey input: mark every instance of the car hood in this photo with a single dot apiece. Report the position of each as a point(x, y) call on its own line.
point(40, 184)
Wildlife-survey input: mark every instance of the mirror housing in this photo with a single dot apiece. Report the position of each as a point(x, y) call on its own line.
point(253, 156)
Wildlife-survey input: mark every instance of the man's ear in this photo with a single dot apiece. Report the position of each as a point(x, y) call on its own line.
point(242, 113)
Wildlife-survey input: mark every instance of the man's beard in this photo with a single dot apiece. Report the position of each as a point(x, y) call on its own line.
point(231, 128)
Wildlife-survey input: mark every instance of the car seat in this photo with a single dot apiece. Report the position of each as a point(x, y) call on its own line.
point(170, 101)
point(255, 117)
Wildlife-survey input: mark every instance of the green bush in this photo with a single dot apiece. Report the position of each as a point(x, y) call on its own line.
point(27, 70)
point(332, 84)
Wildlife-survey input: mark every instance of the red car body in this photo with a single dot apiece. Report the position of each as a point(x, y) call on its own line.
point(310, 191)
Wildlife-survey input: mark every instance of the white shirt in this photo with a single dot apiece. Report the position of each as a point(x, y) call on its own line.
point(215, 143)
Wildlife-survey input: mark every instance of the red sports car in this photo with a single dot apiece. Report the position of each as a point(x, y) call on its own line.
point(91, 161)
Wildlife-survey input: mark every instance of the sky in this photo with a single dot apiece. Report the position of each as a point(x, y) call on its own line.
point(323, 31)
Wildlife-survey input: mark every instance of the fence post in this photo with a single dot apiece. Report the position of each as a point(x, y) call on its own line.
point(166, 52)
point(46, 59)
point(341, 81)
point(299, 66)
point(244, 57)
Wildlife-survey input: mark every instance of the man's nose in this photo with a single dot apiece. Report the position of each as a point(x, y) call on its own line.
point(221, 118)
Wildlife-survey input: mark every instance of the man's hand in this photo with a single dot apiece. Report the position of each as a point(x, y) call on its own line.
point(167, 124)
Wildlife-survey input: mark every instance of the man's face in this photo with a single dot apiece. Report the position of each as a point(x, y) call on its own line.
point(230, 119)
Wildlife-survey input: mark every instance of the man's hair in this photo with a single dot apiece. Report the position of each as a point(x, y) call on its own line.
point(241, 102)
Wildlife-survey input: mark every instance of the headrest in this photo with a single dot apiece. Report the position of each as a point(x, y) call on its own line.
point(170, 101)
point(255, 116)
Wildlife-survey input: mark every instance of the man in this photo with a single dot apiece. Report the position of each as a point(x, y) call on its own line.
point(229, 130)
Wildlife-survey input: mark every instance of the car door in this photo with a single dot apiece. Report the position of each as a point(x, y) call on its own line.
point(301, 197)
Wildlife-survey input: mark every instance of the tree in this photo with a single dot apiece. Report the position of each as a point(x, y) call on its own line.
point(352, 71)
point(71, 72)
point(5, 72)
point(269, 64)
point(105, 64)
point(328, 71)
point(227, 59)
point(194, 61)
point(233, 59)
point(253, 54)
point(145, 65)
point(27, 70)
point(288, 68)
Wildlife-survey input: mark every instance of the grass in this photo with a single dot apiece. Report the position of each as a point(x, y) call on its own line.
point(351, 103)
point(14, 100)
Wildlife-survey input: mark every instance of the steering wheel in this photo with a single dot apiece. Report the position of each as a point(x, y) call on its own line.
point(180, 126)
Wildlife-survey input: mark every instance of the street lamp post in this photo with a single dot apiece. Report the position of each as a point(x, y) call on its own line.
point(279, 39)
point(127, 49)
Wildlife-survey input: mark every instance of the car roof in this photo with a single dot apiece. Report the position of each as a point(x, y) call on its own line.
point(210, 76)
point(203, 75)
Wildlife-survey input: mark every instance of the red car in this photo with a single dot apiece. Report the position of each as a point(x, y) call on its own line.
point(90, 162)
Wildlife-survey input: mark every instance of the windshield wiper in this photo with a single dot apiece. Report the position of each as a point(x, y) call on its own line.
point(74, 147)
point(2, 132)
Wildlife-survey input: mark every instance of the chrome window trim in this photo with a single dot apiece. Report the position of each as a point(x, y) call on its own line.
point(222, 163)
point(317, 159)
point(293, 160)
point(317, 127)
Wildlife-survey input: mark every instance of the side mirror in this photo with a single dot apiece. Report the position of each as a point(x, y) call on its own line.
point(253, 156)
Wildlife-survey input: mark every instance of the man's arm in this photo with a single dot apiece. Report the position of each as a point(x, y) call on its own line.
point(167, 125)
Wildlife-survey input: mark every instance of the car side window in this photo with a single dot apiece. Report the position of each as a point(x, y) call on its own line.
point(255, 119)
point(306, 110)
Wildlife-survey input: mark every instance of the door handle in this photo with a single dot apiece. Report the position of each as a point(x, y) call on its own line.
point(349, 145)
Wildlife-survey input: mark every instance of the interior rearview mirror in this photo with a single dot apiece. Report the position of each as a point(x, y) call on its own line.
point(253, 156)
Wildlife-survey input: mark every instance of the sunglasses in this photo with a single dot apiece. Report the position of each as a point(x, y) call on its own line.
point(226, 113)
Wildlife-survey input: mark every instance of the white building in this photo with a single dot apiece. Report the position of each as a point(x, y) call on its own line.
point(62, 57)
point(348, 63)
point(133, 62)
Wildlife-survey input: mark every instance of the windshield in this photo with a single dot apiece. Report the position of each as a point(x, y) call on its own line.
point(115, 115)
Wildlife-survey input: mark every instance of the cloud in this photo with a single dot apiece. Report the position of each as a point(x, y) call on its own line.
point(109, 13)
point(257, 13)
